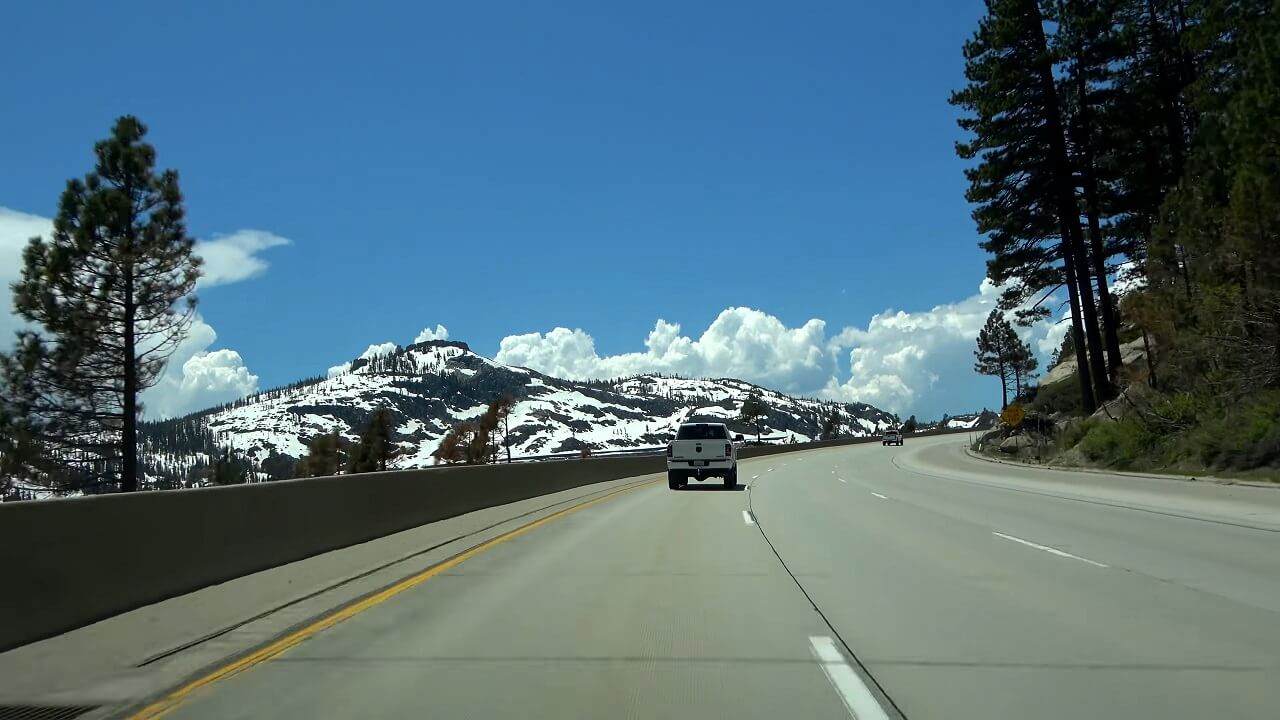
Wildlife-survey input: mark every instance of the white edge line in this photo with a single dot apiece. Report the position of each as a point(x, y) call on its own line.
point(753, 477)
point(746, 517)
point(769, 470)
point(842, 480)
point(862, 705)
point(1048, 549)
point(882, 497)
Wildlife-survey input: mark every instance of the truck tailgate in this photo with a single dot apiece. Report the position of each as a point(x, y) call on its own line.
point(711, 450)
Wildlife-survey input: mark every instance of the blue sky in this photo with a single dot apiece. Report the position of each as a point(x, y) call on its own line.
point(508, 168)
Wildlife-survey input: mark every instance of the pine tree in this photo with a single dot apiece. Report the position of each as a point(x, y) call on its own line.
point(997, 353)
point(1220, 230)
point(1024, 182)
point(503, 407)
point(110, 295)
point(449, 450)
point(375, 449)
point(467, 443)
point(1023, 364)
point(326, 455)
point(1087, 39)
point(828, 427)
point(487, 430)
point(228, 469)
point(753, 411)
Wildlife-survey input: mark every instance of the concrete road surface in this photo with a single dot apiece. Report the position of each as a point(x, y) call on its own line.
point(864, 581)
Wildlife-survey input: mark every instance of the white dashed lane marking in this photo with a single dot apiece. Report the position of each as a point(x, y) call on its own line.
point(1046, 548)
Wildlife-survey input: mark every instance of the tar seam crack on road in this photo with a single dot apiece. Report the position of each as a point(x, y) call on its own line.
point(881, 695)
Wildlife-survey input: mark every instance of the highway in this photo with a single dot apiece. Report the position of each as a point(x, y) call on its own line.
point(860, 581)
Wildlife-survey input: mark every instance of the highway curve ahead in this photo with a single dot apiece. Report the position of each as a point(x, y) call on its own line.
point(867, 581)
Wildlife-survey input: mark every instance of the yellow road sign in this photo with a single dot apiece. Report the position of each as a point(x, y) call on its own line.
point(1013, 415)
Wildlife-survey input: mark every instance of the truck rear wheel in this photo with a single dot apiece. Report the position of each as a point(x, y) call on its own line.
point(675, 480)
point(731, 480)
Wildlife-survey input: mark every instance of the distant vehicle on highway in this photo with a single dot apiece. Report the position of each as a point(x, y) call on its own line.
point(891, 437)
point(701, 451)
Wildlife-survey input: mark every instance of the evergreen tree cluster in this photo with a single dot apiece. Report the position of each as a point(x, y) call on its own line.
point(1001, 353)
point(375, 448)
point(333, 454)
point(1133, 130)
point(478, 442)
point(1142, 132)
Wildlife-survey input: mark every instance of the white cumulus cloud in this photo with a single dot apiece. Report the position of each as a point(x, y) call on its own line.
point(374, 351)
point(740, 342)
point(440, 333)
point(232, 258)
point(907, 362)
point(197, 378)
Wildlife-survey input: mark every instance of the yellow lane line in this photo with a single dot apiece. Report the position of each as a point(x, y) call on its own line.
point(171, 701)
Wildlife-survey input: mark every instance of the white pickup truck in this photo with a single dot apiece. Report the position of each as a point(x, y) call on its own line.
point(700, 451)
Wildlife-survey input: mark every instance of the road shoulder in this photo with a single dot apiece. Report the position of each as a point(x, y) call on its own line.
point(1121, 473)
point(1235, 504)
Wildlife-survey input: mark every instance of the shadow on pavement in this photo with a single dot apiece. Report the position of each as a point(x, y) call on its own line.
point(712, 487)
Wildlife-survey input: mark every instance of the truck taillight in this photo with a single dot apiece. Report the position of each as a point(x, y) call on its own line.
point(668, 449)
point(728, 449)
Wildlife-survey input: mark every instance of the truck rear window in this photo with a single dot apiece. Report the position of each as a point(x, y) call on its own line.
point(702, 432)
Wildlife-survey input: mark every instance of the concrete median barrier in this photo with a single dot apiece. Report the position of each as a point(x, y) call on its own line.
point(71, 562)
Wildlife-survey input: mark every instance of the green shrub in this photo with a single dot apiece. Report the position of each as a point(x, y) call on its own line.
point(1261, 419)
point(1244, 438)
point(1062, 396)
point(1182, 411)
point(1122, 443)
point(1187, 431)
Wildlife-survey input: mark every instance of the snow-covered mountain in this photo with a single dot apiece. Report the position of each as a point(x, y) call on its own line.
point(972, 421)
point(430, 387)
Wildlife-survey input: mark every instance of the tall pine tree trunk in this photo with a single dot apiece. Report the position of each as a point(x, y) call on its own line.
point(1088, 169)
point(129, 439)
point(1167, 85)
point(1151, 364)
point(1068, 212)
point(1004, 386)
point(1087, 400)
point(1110, 318)
point(1089, 312)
